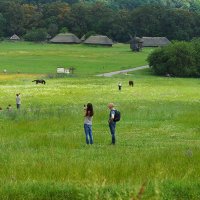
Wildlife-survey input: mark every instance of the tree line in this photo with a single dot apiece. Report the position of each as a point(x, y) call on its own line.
point(192, 5)
point(41, 18)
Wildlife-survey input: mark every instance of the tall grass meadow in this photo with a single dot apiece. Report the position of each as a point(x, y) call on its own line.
point(43, 153)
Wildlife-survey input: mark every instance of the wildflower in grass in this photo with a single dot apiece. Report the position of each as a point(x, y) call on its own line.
point(189, 153)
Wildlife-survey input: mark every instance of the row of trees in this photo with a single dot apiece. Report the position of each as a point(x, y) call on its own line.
point(179, 59)
point(81, 18)
point(192, 5)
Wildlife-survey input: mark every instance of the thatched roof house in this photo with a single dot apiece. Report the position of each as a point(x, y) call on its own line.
point(155, 41)
point(65, 38)
point(99, 40)
point(14, 37)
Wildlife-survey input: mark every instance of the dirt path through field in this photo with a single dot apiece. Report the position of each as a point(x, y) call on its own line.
point(123, 71)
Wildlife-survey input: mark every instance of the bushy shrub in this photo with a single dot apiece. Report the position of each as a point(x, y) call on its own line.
point(196, 44)
point(64, 30)
point(36, 35)
point(179, 59)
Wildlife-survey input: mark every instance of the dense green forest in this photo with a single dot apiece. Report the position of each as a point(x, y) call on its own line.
point(193, 5)
point(175, 19)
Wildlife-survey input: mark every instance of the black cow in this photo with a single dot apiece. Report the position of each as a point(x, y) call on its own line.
point(131, 83)
point(39, 81)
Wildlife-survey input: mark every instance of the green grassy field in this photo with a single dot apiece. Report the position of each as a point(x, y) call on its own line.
point(39, 58)
point(43, 154)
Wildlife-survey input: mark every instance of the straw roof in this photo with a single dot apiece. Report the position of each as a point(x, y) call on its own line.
point(155, 41)
point(99, 40)
point(14, 37)
point(66, 38)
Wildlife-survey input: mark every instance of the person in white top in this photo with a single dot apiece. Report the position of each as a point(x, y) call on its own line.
point(18, 101)
point(88, 123)
point(119, 86)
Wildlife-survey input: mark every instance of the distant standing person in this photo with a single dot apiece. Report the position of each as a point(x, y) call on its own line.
point(9, 108)
point(18, 101)
point(88, 123)
point(111, 122)
point(120, 86)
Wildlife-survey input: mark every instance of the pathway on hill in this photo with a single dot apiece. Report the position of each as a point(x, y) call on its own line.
point(123, 71)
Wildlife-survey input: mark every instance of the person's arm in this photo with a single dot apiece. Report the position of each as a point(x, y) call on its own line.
point(112, 115)
point(84, 110)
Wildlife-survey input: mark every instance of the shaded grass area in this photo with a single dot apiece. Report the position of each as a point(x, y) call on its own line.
point(76, 191)
point(43, 154)
point(44, 58)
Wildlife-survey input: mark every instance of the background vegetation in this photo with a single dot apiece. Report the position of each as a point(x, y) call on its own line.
point(175, 19)
point(130, 4)
point(179, 59)
point(43, 154)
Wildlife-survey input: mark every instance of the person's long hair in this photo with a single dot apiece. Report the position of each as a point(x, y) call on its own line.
point(89, 110)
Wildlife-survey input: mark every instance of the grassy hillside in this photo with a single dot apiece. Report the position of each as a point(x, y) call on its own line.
point(43, 154)
point(44, 58)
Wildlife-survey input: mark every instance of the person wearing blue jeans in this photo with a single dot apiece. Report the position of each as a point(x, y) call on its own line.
point(111, 122)
point(88, 123)
point(88, 133)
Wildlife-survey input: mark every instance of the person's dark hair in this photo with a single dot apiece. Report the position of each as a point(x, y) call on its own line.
point(89, 110)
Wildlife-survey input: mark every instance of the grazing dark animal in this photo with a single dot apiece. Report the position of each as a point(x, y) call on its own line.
point(131, 83)
point(39, 81)
point(169, 75)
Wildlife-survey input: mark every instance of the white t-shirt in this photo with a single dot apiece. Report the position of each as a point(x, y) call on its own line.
point(88, 120)
point(18, 100)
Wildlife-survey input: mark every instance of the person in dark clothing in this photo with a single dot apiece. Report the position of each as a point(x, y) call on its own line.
point(111, 122)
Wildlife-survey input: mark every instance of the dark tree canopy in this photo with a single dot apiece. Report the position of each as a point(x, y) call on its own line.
point(174, 19)
point(130, 4)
